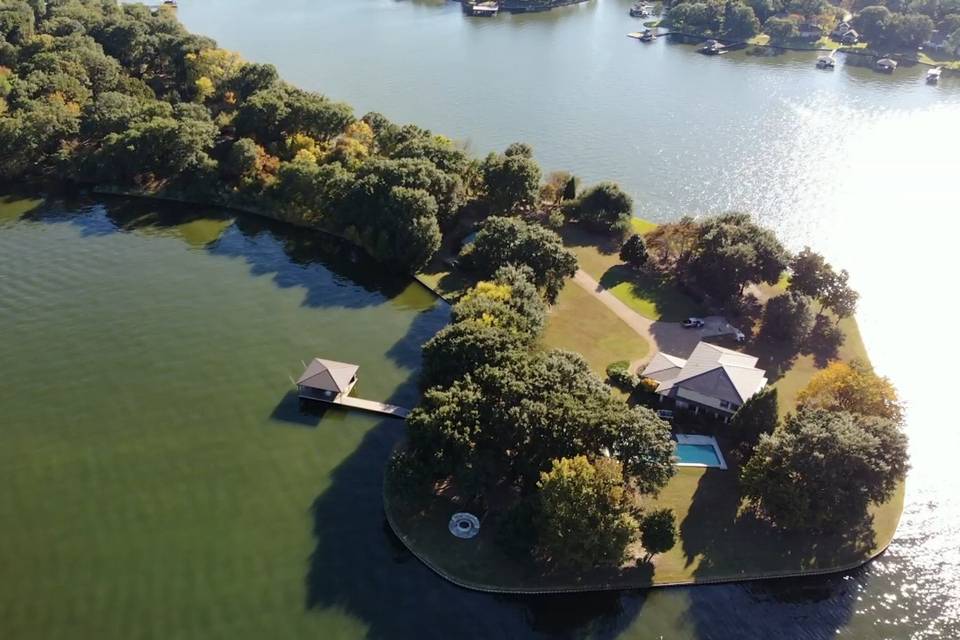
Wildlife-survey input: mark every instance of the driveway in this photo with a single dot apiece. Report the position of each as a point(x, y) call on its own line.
point(669, 337)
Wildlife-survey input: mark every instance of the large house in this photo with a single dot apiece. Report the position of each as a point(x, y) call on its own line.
point(712, 379)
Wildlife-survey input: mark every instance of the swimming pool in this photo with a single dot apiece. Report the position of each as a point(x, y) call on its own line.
point(699, 451)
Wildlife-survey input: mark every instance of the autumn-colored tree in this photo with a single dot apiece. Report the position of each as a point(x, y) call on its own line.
point(852, 387)
point(209, 69)
point(587, 514)
point(553, 189)
point(671, 245)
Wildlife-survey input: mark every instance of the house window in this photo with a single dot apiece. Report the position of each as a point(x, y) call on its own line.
point(724, 404)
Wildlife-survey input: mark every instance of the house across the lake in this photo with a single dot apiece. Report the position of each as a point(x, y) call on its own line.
point(712, 379)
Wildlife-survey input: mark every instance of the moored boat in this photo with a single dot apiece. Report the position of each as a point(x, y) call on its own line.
point(933, 75)
point(712, 48)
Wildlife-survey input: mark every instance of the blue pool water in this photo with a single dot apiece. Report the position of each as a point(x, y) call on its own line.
point(698, 454)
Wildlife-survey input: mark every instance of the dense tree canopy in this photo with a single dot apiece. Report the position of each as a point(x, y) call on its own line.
point(604, 206)
point(757, 416)
point(511, 179)
point(505, 241)
point(509, 418)
point(787, 318)
point(822, 469)
point(498, 411)
point(509, 302)
point(108, 93)
point(733, 251)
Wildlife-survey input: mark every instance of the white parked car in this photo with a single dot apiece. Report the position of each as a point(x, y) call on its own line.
point(693, 323)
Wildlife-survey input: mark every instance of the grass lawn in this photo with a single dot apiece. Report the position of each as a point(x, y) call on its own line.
point(645, 294)
point(719, 541)
point(939, 59)
point(448, 283)
point(579, 322)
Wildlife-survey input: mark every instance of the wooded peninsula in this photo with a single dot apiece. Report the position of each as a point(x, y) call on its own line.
point(571, 473)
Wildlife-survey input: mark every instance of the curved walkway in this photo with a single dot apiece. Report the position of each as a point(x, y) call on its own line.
point(669, 337)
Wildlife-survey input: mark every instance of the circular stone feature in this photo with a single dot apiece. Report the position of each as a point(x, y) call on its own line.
point(464, 525)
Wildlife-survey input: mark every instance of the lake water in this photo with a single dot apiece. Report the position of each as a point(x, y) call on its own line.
point(158, 480)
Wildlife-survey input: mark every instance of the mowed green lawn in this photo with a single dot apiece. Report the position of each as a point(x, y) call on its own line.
point(644, 293)
point(579, 322)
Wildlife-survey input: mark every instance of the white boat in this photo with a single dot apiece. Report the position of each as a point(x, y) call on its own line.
point(933, 75)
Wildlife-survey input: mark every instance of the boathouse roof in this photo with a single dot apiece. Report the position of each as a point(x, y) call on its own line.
point(328, 375)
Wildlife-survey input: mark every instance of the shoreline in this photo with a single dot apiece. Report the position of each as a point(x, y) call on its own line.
point(465, 583)
point(111, 191)
point(501, 589)
point(840, 48)
point(627, 585)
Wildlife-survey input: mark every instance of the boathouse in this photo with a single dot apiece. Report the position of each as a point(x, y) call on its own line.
point(327, 380)
point(887, 65)
point(331, 382)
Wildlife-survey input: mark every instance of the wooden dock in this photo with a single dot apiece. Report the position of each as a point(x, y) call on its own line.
point(344, 400)
point(391, 410)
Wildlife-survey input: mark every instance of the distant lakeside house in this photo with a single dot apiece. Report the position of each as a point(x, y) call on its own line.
point(712, 379)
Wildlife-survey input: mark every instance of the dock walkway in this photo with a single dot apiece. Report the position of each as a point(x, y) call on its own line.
point(391, 410)
point(342, 399)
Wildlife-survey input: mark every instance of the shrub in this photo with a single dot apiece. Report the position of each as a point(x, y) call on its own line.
point(634, 251)
point(619, 365)
point(623, 379)
point(658, 531)
point(604, 206)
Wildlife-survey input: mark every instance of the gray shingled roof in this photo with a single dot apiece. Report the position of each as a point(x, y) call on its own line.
point(715, 371)
point(328, 375)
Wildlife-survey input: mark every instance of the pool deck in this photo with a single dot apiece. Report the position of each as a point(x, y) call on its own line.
point(701, 440)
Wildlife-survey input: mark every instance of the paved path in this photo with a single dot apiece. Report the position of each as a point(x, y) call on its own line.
point(669, 337)
point(636, 321)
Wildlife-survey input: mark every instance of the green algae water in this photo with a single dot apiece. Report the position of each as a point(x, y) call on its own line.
point(158, 479)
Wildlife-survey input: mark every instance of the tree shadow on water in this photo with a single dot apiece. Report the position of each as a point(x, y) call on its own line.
point(330, 270)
